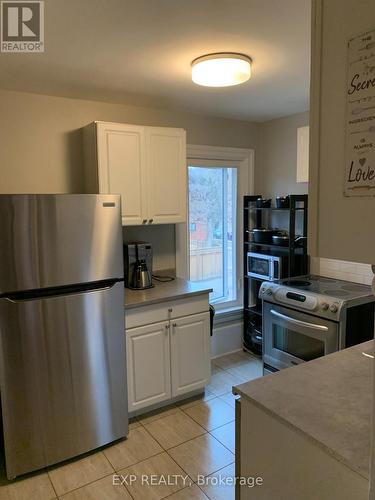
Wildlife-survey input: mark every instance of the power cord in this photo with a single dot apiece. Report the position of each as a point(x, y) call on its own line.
point(163, 279)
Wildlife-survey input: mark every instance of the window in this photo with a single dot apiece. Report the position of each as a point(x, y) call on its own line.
point(209, 246)
point(212, 230)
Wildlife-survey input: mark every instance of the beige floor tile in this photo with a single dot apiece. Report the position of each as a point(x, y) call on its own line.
point(226, 435)
point(159, 468)
point(160, 413)
point(229, 398)
point(233, 359)
point(173, 430)
point(138, 446)
point(211, 414)
point(134, 423)
point(79, 473)
point(33, 487)
point(190, 493)
point(216, 491)
point(201, 456)
point(188, 403)
point(222, 382)
point(104, 489)
point(247, 371)
point(215, 368)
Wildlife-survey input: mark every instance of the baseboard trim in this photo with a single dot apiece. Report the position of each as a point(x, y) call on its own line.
point(226, 353)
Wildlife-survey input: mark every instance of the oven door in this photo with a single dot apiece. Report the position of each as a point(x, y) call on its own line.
point(291, 337)
point(260, 266)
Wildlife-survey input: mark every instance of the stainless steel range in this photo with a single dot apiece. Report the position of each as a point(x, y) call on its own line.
point(310, 316)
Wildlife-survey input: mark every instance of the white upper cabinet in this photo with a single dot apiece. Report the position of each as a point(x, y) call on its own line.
point(121, 161)
point(146, 165)
point(166, 174)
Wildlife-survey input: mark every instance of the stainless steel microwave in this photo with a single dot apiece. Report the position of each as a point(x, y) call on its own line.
point(266, 267)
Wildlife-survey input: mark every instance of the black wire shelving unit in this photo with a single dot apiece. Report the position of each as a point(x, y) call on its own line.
point(293, 219)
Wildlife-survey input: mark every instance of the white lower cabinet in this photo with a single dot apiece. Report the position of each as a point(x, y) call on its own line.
point(190, 353)
point(148, 360)
point(167, 359)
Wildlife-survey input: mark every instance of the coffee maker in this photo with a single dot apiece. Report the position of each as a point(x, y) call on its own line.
point(138, 265)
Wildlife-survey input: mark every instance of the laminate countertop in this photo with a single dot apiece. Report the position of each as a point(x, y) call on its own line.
point(329, 400)
point(163, 291)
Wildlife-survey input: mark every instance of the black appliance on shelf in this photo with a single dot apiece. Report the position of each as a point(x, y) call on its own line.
point(265, 261)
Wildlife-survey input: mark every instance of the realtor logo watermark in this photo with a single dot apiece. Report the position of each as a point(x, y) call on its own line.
point(22, 26)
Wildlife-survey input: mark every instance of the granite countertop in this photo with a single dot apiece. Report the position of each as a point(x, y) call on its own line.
point(163, 291)
point(329, 400)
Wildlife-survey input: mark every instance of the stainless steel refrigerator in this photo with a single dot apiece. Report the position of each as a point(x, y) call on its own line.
point(62, 333)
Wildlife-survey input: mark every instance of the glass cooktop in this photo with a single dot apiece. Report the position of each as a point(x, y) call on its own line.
point(344, 290)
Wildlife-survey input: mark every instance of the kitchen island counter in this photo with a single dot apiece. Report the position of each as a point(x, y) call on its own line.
point(163, 291)
point(328, 401)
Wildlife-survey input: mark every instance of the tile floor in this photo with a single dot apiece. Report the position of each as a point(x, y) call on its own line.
point(190, 439)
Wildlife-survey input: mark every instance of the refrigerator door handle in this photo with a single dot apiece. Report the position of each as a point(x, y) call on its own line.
point(46, 293)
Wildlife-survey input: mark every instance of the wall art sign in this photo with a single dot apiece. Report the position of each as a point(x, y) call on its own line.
point(360, 117)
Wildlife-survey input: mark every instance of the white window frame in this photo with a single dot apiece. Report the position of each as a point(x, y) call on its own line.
point(243, 160)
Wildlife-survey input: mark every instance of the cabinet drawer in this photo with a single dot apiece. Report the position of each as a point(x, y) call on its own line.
point(145, 315)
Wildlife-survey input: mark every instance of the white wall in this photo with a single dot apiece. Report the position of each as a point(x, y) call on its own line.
point(278, 156)
point(227, 337)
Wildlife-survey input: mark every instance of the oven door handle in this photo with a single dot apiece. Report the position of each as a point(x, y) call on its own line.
point(293, 321)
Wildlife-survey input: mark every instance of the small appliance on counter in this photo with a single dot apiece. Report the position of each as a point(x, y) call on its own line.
point(311, 316)
point(138, 265)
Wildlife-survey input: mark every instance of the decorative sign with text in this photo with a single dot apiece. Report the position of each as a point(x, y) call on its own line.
point(360, 117)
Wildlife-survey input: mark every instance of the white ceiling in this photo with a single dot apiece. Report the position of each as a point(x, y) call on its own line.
point(139, 51)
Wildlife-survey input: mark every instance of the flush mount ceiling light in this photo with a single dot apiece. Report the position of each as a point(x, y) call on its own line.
point(222, 69)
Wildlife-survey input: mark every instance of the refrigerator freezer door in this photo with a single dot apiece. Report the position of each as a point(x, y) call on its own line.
point(55, 240)
point(63, 376)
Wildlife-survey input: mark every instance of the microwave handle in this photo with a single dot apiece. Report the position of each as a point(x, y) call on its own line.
point(272, 269)
point(298, 322)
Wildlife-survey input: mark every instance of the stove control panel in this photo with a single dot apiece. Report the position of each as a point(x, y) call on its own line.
point(299, 299)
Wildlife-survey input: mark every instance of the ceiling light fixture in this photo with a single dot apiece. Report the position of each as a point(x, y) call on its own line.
point(221, 69)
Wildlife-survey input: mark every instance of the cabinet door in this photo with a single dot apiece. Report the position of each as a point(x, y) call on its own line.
point(148, 365)
point(190, 353)
point(166, 174)
point(121, 168)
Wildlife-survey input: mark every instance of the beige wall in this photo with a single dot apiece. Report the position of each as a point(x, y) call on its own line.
point(41, 147)
point(278, 156)
point(343, 227)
